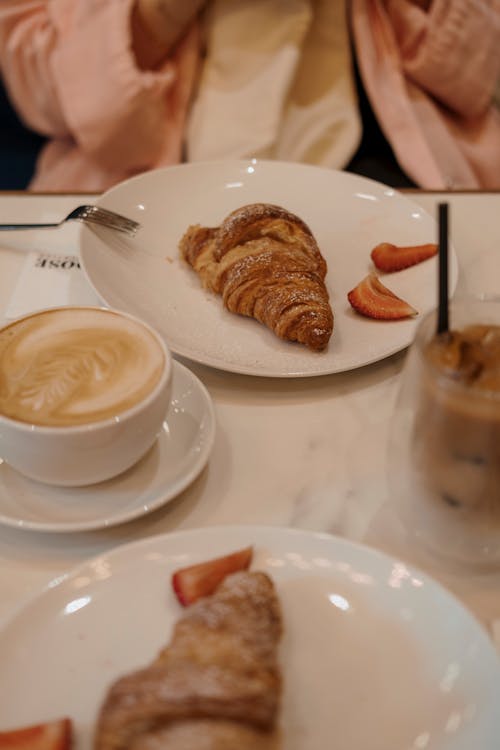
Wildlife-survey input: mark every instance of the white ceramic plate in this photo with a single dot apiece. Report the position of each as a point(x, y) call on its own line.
point(348, 214)
point(176, 459)
point(375, 655)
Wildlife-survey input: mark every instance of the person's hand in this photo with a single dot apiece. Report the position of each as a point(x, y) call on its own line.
point(157, 25)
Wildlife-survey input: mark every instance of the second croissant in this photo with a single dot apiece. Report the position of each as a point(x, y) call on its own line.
point(265, 263)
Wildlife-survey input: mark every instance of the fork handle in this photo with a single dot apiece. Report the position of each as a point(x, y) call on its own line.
point(8, 227)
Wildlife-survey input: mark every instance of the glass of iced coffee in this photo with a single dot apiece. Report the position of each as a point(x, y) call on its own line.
point(444, 465)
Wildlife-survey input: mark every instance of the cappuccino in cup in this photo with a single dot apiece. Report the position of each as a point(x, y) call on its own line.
point(84, 392)
point(75, 366)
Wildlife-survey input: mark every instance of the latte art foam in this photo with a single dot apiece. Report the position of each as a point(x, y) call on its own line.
point(73, 366)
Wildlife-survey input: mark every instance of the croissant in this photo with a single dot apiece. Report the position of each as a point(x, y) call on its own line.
point(216, 686)
point(265, 263)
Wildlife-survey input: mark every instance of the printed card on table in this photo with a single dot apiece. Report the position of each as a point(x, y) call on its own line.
point(49, 280)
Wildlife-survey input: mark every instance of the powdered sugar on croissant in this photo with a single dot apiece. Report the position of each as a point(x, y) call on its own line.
point(265, 263)
point(215, 686)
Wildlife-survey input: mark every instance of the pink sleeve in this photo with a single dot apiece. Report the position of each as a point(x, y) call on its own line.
point(430, 78)
point(452, 51)
point(70, 71)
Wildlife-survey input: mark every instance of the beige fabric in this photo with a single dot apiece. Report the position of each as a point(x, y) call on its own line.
point(276, 83)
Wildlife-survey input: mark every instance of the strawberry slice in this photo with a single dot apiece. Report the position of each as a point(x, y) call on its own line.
point(50, 735)
point(199, 580)
point(372, 299)
point(389, 258)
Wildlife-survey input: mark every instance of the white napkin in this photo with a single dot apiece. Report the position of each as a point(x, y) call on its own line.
point(49, 280)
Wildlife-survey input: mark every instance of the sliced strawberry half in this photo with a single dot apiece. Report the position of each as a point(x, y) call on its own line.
point(199, 580)
point(389, 258)
point(374, 300)
point(50, 735)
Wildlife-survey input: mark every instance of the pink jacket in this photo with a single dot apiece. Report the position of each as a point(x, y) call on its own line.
point(430, 77)
point(71, 74)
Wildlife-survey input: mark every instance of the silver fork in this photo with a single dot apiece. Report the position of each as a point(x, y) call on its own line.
point(93, 214)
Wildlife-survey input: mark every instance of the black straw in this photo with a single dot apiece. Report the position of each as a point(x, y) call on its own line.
point(443, 268)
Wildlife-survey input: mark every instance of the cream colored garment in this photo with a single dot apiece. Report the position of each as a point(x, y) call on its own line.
point(276, 83)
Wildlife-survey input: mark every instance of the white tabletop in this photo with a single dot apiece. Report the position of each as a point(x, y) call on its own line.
point(308, 453)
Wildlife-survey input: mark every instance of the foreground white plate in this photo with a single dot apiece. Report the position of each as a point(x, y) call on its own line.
point(175, 460)
point(375, 655)
point(348, 214)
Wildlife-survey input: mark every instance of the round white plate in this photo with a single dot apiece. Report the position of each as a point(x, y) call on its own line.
point(348, 214)
point(375, 654)
point(175, 460)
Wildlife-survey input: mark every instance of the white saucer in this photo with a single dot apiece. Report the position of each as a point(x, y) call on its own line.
point(176, 459)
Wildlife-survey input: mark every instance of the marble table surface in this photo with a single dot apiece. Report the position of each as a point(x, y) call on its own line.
point(306, 453)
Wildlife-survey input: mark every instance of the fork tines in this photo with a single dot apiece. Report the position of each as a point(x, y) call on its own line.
point(110, 219)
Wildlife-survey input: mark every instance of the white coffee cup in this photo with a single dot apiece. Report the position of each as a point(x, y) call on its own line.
point(84, 392)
